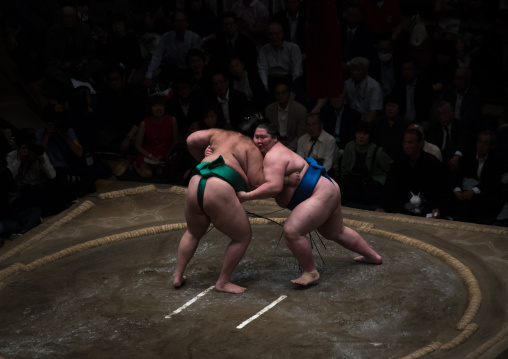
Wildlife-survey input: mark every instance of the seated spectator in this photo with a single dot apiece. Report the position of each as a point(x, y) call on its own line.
point(198, 71)
point(202, 20)
point(389, 128)
point(477, 183)
point(417, 183)
point(292, 20)
point(185, 105)
point(287, 115)
point(465, 99)
point(156, 142)
point(414, 91)
point(318, 144)
point(385, 68)
point(34, 174)
point(69, 50)
point(364, 168)
point(253, 18)
point(122, 48)
point(427, 146)
point(76, 174)
point(247, 82)
point(441, 67)
point(234, 104)
point(278, 60)
point(171, 50)
point(363, 93)
point(340, 120)
point(210, 117)
point(230, 42)
point(15, 218)
point(357, 40)
point(118, 110)
point(449, 135)
point(25, 25)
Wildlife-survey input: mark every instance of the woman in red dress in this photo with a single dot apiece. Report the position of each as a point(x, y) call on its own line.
point(156, 138)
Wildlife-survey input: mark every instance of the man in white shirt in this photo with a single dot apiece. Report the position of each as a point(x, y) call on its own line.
point(172, 48)
point(318, 144)
point(278, 59)
point(287, 116)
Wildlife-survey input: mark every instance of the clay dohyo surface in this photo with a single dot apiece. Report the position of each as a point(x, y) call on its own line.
point(111, 300)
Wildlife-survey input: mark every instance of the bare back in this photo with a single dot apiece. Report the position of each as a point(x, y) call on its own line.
point(238, 151)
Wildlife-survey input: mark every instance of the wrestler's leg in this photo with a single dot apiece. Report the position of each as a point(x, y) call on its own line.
point(229, 217)
point(334, 229)
point(197, 224)
point(305, 218)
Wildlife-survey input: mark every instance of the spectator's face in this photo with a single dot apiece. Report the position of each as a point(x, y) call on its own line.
point(408, 71)
point(483, 145)
point(358, 73)
point(115, 81)
point(118, 28)
point(353, 17)
point(196, 64)
point(410, 144)
point(195, 5)
point(236, 68)
point(184, 90)
point(362, 138)
point(314, 126)
point(337, 102)
point(461, 80)
point(220, 84)
point(281, 94)
point(69, 17)
point(391, 110)
point(263, 140)
point(292, 6)
point(229, 27)
point(275, 35)
point(211, 119)
point(158, 110)
point(180, 22)
point(444, 115)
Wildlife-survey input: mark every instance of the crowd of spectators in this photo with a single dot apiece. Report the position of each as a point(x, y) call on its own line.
point(407, 133)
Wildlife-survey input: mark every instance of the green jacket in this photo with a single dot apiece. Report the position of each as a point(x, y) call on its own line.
point(382, 163)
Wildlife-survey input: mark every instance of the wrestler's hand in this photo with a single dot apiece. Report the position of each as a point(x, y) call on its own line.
point(208, 151)
point(292, 180)
point(243, 196)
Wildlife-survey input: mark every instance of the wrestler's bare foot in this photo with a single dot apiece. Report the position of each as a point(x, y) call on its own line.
point(229, 288)
point(307, 278)
point(179, 282)
point(370, 260)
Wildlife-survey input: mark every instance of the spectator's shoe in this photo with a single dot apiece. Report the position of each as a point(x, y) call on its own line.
point(15, 236)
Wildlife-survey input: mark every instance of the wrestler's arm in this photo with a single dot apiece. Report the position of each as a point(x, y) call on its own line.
point(197, 143)
point(274, 170)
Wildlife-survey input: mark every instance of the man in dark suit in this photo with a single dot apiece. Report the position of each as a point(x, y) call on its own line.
point(414, 91)
point(184, 105)
point(234, 104)
point(231, 42)
point(356, 38)
point(467, 100)
point(449, 135)
point(293, 22)
point(477, 183)
point(340, 121)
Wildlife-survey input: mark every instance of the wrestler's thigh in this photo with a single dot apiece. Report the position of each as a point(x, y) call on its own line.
point(197, 221)
point(307, 216)
point(333, 226)
point(225, 210)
